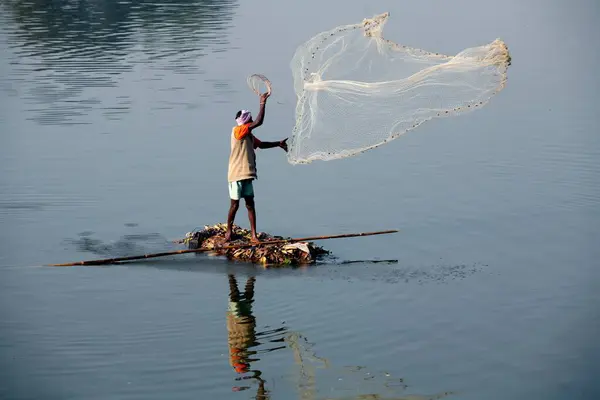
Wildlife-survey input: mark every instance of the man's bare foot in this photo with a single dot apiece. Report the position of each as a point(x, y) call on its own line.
point(227, 237)
point(254, 240)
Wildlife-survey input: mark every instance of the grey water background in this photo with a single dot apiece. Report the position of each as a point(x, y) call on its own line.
point(115, 119)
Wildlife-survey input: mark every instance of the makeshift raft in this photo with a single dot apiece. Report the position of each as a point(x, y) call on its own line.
point(275, 255)
point(282, 254)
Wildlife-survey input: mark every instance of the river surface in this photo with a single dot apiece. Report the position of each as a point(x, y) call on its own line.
point(115, 119)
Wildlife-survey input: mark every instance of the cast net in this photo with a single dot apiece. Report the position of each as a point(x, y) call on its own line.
point(356, 90)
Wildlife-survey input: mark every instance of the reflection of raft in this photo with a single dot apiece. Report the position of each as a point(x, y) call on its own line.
point(282, 254)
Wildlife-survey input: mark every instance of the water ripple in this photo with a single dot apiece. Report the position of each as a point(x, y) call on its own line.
point(61, 50)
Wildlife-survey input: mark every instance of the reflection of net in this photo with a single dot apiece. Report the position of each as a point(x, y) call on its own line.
point(306, 360)
point(259, 84)
point(357, 90)
point(317, 378)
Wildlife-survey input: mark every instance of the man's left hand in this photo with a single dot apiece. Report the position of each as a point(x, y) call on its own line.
point(283, 145)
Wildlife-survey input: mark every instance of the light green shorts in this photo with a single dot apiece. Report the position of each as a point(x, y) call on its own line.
point(239, 189)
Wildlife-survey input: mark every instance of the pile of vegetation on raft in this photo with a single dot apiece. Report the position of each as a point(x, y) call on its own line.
point(213, 238)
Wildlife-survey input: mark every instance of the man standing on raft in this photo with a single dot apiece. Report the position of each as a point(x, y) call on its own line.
point(242, 164)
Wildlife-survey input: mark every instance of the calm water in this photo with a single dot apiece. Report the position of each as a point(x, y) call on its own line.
point(115, 119)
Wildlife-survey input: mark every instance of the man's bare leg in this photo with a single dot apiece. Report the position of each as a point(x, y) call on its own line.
point(235, 204)
point(252, 217)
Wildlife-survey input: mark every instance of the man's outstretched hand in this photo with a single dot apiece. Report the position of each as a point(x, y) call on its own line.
point(283, 145)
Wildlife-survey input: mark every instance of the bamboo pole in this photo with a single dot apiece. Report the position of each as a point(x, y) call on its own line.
point(233, 246)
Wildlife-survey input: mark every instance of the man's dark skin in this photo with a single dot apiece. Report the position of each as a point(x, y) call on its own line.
point(235, 204)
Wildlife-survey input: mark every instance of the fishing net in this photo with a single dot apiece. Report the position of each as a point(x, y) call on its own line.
point(356, 90)
point(259, 84)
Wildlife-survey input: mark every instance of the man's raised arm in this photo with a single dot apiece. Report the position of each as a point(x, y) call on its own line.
point(261, 113)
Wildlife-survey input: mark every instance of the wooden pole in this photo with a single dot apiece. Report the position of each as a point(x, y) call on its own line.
point(233, 246)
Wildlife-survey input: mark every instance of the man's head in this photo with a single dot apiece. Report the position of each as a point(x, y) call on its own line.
point(243, 117)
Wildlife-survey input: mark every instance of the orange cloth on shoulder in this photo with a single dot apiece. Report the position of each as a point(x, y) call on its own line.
point(241, 131)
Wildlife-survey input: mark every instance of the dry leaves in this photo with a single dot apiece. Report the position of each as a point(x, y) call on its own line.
point(276, 255)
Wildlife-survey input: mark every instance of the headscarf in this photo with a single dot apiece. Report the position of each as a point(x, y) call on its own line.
point(244, 117)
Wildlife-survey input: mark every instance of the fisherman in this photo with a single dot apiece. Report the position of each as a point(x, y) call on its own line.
point(242, 164)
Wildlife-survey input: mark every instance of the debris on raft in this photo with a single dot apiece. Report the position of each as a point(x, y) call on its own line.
point(273, 255)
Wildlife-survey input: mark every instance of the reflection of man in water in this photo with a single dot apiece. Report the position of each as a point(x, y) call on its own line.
point(241, 324)
point(241, 328)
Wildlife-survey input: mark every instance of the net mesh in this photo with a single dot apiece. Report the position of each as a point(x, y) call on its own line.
point(356, 90)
